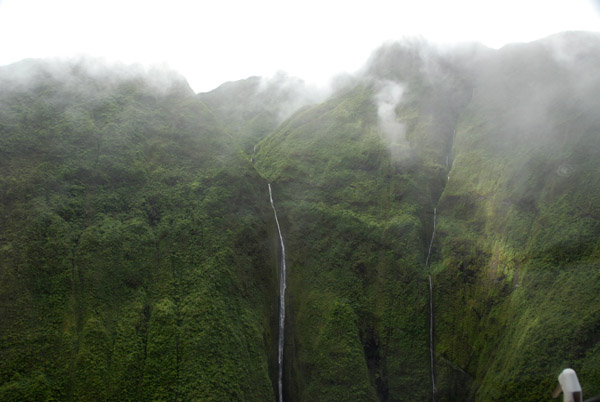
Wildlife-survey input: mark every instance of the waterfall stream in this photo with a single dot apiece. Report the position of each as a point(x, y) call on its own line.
point(432, 235)
point(449, 163)
point(282, 286)
point(433, 389)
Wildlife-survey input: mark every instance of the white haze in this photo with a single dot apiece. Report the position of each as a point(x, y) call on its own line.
point(289, 94)
point(25, 73)
point(387, 99)
point(213, 42)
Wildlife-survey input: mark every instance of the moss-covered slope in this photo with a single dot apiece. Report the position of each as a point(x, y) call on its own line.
point(252, 108)
point(518, 252)
point(135, 259)
point(505, 144)
point(138, 246)
point(357, 195)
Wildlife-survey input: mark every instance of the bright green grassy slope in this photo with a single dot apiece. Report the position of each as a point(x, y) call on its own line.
point(135, 261)
point(518, 256)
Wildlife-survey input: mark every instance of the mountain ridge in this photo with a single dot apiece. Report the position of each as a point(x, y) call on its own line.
point(139, 250)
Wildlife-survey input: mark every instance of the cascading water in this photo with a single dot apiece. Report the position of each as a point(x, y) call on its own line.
point(433, 389)
point(432, 235)
point(449, 163)
point(282, 286)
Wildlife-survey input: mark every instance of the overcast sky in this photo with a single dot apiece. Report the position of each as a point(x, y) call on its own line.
point(213, 41)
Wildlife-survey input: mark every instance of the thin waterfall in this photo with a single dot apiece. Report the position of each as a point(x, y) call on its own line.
point(282, 286)
point(432, 235)
point(449, 163)
point(433, 389)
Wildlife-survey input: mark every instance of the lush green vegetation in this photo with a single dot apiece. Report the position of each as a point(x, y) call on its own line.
point(517, 262)
point(135, 256)
point(516, 251)
point(357, 219)
point(252, 108)
point(139, 250)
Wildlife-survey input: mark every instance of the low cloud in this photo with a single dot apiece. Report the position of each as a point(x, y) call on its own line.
point(80, 72)
point(286, 94)
point(387, 98)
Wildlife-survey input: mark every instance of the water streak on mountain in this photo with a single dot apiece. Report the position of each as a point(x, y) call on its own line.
point(432, 236)
point(137, 252)
point(433, 389)
point(282, 286)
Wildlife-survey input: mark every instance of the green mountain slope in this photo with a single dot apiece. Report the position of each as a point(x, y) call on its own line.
point(252, 108)
point(518, 231)
point(506, 145)
point(139, 250)
point(127, 270)
point(351, 225)
point(357, 208)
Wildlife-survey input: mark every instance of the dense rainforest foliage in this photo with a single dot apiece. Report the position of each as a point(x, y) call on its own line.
point(139, 252)
point(136, 260)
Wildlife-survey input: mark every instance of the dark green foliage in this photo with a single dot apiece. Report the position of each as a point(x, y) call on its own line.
point(130, 269)
point(251, 109)
point(138, 249)
point(518, 230)
point(340, 372)
point(352, 224)
point(517, 196)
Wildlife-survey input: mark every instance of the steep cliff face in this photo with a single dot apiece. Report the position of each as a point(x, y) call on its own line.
point(517, 250)
point(135, 256)
point(252, 108)
point(505, 144)
point(139, 249)
point(353, 231)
